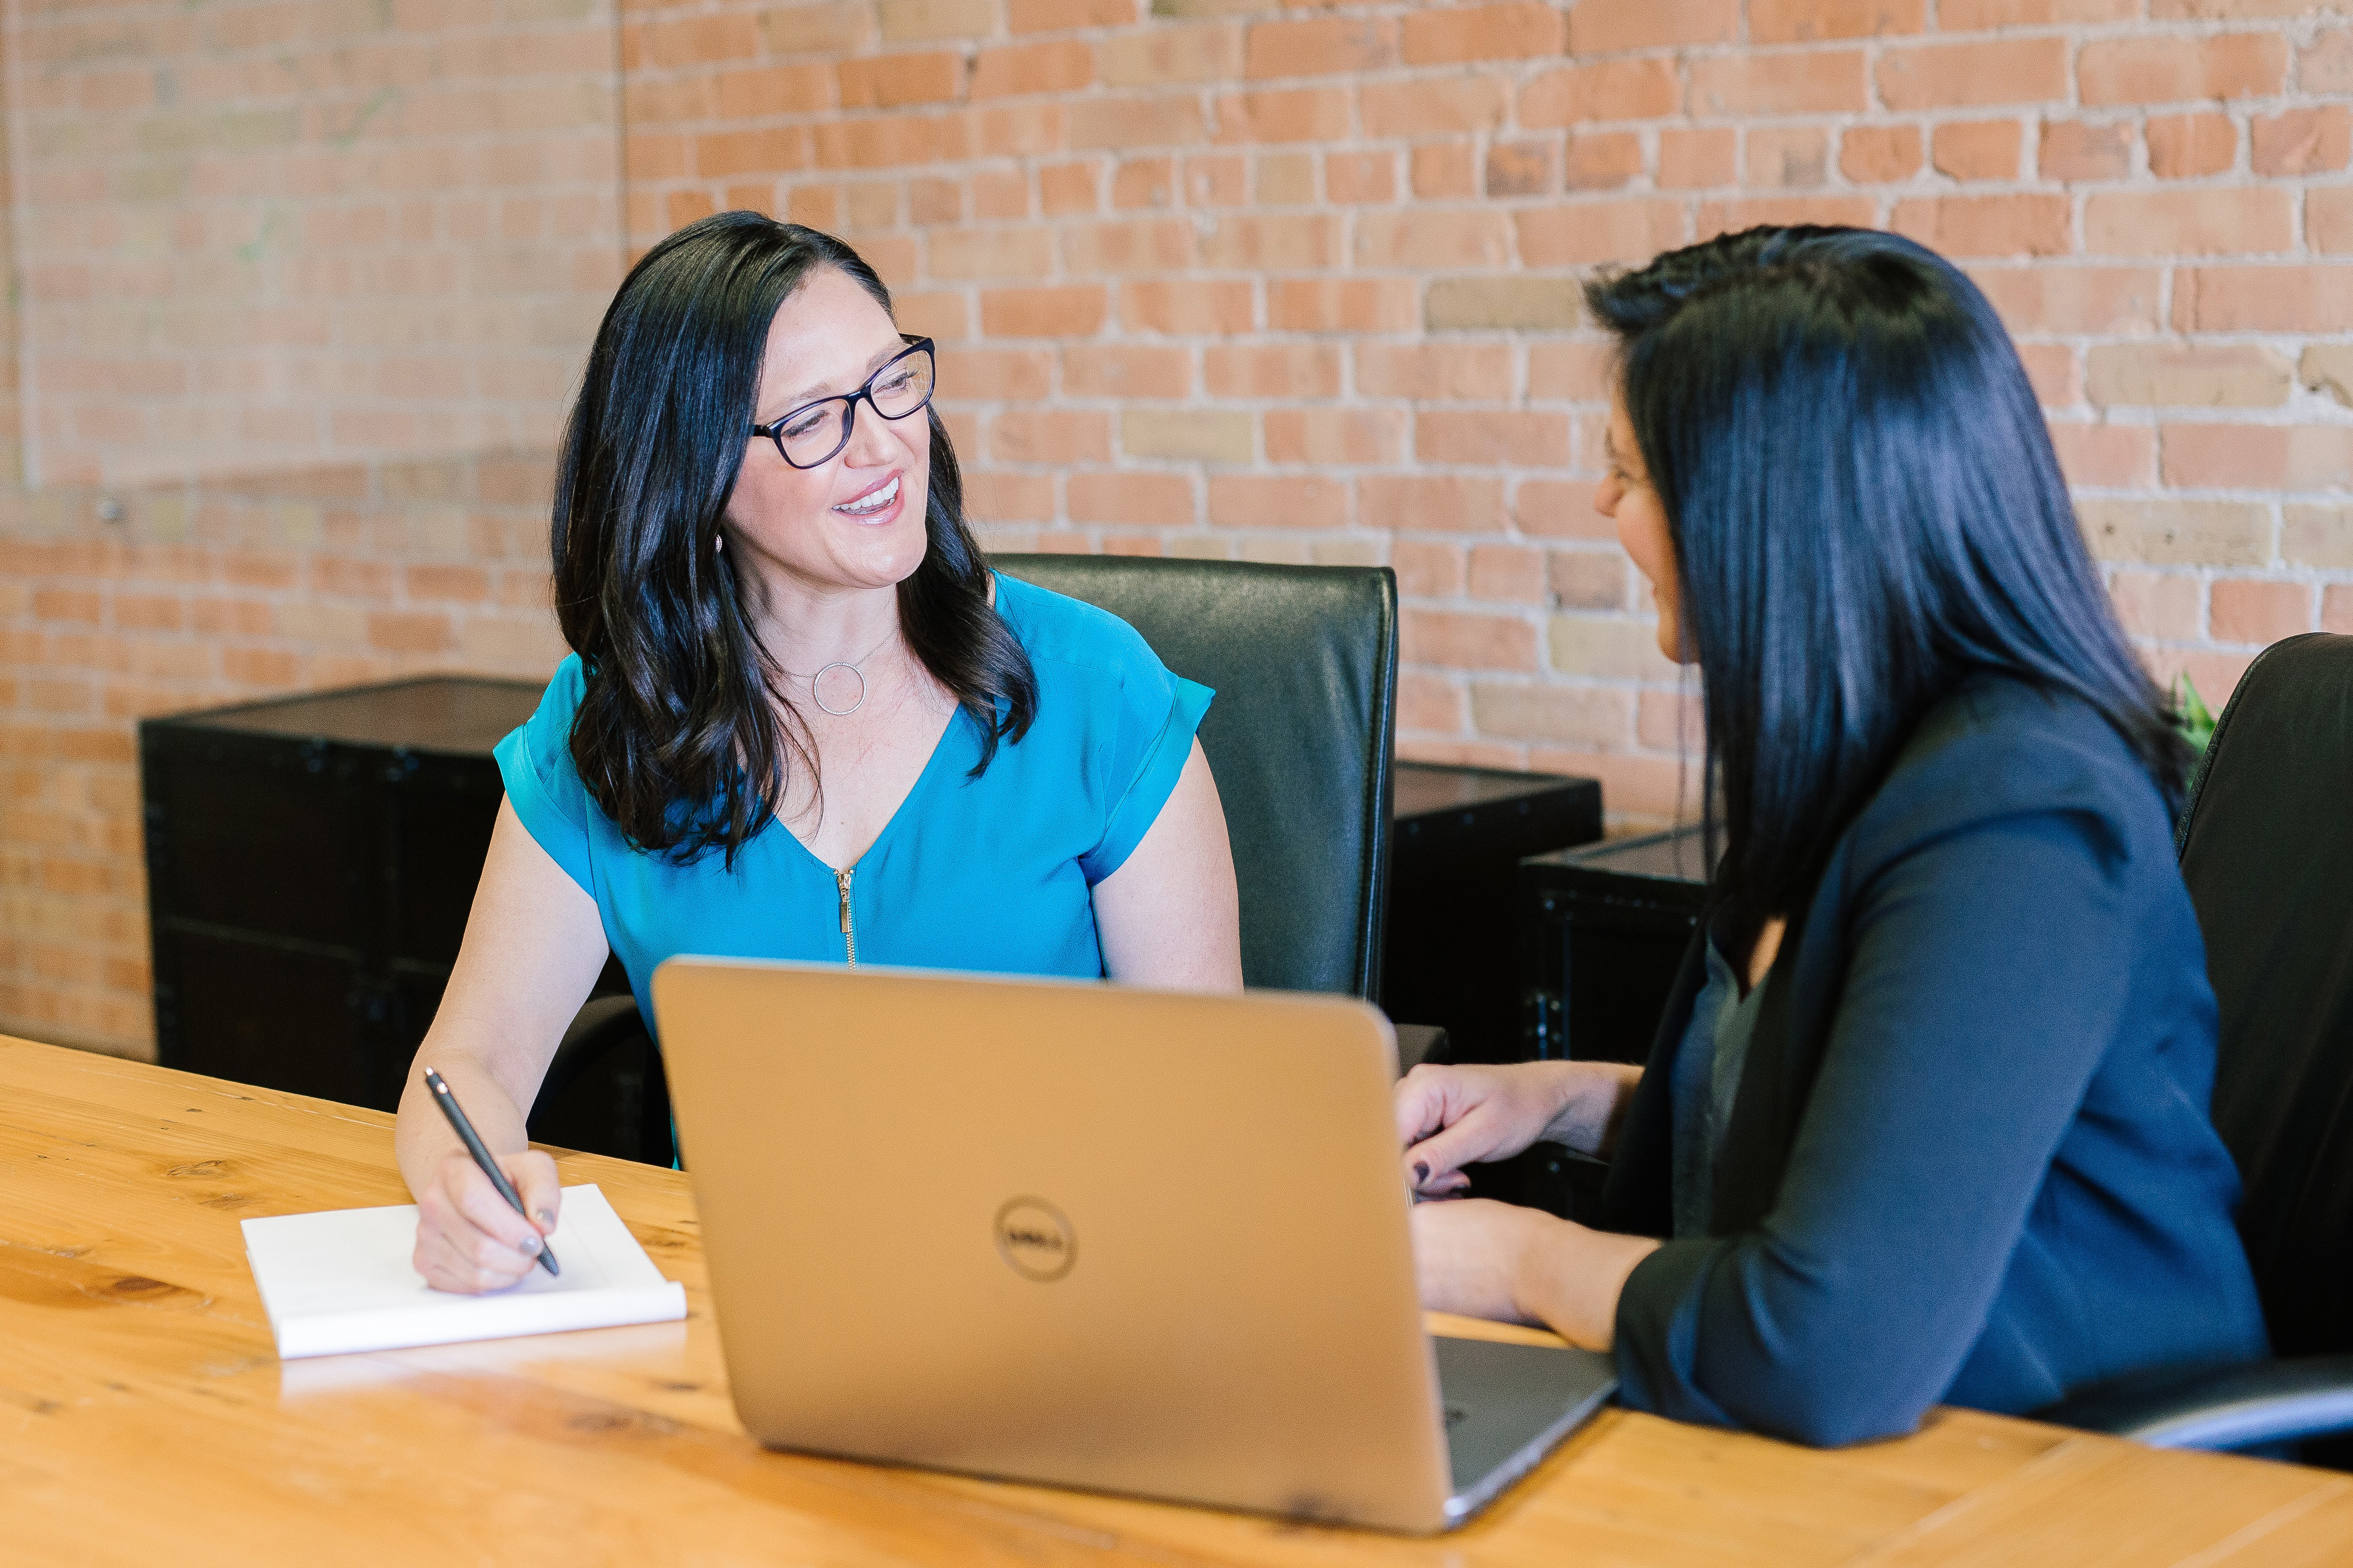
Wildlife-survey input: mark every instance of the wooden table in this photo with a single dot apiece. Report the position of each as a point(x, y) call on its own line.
point(143, 1417)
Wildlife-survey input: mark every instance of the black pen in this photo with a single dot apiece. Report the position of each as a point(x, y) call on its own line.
point(473, 1142)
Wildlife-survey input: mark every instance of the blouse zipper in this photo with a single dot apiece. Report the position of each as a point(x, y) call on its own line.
point(849, 928)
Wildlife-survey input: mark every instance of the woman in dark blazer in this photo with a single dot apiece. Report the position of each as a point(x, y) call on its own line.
point(1926, 1117)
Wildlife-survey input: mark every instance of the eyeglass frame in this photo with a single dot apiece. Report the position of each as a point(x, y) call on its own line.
point(774, 428)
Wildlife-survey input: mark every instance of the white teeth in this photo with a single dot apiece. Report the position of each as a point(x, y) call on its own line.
point(873, 503)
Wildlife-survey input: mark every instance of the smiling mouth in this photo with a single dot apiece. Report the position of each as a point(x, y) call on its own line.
point(873, 501)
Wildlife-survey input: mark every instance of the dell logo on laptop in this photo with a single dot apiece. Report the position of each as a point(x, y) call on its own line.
point(1035, 1240)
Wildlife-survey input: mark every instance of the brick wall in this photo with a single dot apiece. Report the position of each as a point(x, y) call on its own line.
point(1217, 277)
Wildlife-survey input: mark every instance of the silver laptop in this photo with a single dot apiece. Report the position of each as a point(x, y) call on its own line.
point(1072, 1233)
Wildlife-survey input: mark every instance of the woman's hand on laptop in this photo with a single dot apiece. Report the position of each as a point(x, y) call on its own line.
point(1508, 1263)
point(468, 1239)
point(1450, 1117)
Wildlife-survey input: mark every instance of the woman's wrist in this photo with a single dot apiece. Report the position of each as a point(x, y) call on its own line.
point(1592, 1096)
point(1569, 1278)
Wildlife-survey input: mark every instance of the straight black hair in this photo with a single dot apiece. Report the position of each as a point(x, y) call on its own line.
point(684, 734)
point(1865, 509)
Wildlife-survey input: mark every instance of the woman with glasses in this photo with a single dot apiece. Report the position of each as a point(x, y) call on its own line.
point(1926, 1117)
point(802, 719)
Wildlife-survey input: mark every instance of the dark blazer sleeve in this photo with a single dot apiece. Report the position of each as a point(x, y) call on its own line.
point(1987, 968)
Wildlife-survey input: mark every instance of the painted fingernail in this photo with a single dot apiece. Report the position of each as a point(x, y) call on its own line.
point(1421, 1170)
point(546, 1217)
point(529, 1249)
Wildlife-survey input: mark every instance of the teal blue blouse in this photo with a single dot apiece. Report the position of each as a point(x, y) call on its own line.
point(993, 874)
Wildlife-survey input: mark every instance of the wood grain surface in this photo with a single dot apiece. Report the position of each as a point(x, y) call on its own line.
point(143, 1417)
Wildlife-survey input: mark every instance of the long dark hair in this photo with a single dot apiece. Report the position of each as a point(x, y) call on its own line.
point(684, 735)
point(1865, 509)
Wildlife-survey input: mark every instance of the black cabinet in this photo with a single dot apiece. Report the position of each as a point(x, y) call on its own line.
point(311, 863)
point(1452, 953)
point(1608, 926)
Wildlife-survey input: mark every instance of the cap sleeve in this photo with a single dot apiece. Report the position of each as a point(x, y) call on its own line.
point(1148, 743)
point(541, 782)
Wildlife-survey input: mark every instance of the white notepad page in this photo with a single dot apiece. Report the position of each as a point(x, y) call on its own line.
point(340, 1281)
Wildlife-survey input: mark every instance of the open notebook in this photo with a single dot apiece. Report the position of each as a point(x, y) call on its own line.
point(340, 1281)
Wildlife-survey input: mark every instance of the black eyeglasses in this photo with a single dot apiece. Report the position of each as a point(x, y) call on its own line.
point(809, 434)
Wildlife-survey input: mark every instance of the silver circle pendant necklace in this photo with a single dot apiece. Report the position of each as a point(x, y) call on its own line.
point(817, 682)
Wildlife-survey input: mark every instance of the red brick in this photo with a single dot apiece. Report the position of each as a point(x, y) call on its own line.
point(1818, 81)
point(1147, 245)
point(1124, 370)
point(1429, 702)
point(394, 631)
point(2076, 150)
point(1586, 579)
point(1217, 179)
point(1282, 179)
point(2075, 299)
point(1125, 122)
point(1570, 372)
point(1605, 27)
point(1430, 107)
point(1788, 157)
point(2184, 146)
point(1277, 500)
point(1530, 168)
point(2245, 611)
point(1431, 503)
point(1186, 308)
point(1459, 641)
point(1873, 154)
point(1507, 574)
point(1050, 435)
point(1510, 30)
point(1288, 114)
point(1272, 370)
point(1695, 160)
point(1167, 53)
point(2179, 69)
point(2106, 456)
point(1976, 149)
point(1069, 311)
point(1323, 46)
point(2326, 64)
point(1272, 242)
point(1985, 15)
point(1426, 239)
point(1614, 89)
point(2155, 605)
point(1136, 498)
point(1435, 371)
point(2337, 609)
point(1954, 75)
point(2264, 298)
point(890, 81)
point(1064, 189)
point(2257, 457)
point(1444, 169)
point(1492, 437)
point(1582, 233)
point(1356, 178)
point(1063, 66)
point(1060, 16)
point(1815, 21)
point(2212, 222)
point(1598, 161)
point(994, 497)
point(1985, 226)
point(1334, 435)
point(1428, 569)
point(2302, 140)
point(1342, 305)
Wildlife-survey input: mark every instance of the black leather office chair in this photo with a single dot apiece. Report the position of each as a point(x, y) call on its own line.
point(2266, 845)
point(1304, 660)
point(1300, 737)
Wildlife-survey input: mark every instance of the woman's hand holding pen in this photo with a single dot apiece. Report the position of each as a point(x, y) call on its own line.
point(467, 1238)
